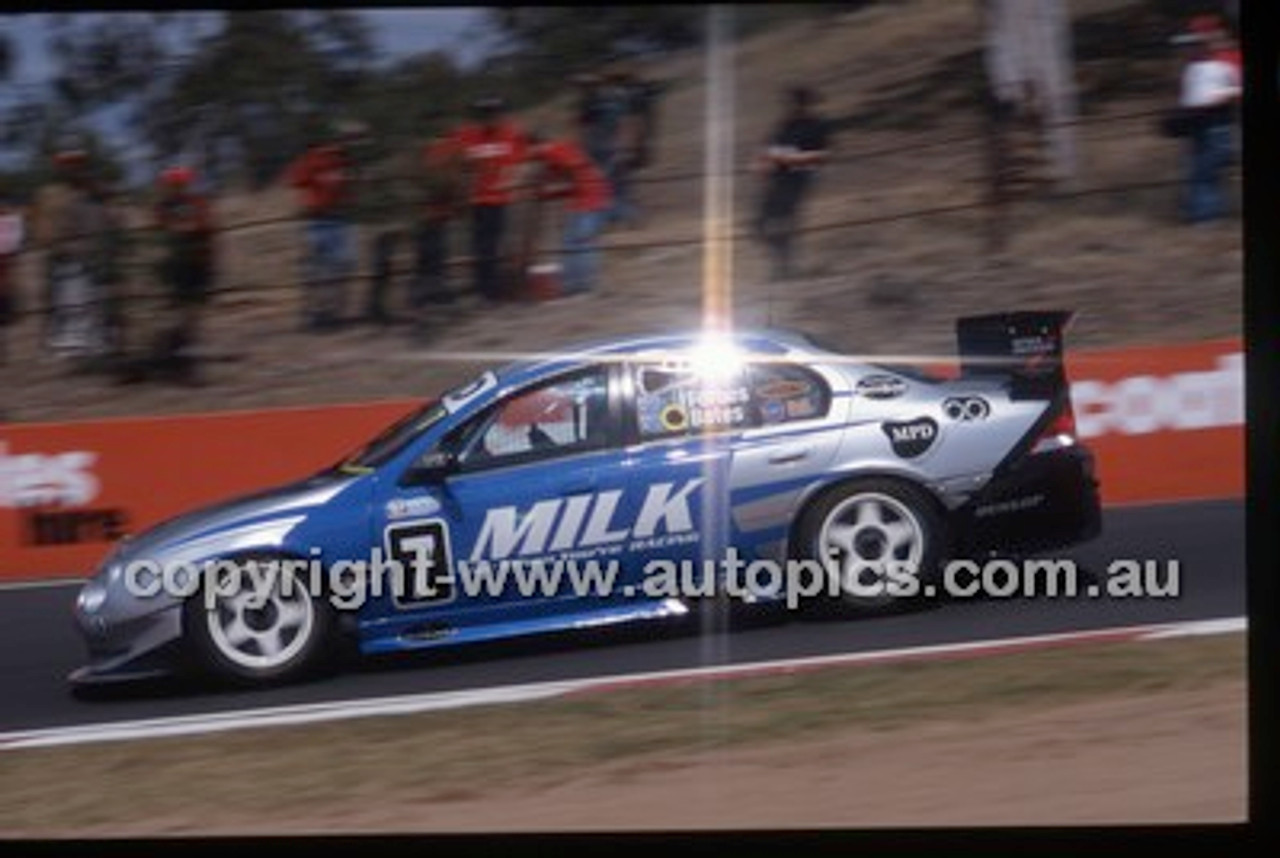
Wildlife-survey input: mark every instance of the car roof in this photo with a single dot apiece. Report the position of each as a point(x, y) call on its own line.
point(773, 342)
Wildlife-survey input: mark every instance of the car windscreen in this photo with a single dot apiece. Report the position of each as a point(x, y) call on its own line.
point(393, 439)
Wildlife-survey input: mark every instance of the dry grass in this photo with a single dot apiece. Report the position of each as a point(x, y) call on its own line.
point(893, 76)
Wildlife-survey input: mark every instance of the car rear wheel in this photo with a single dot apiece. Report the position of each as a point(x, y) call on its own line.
point(879, 542)
point(259, 633)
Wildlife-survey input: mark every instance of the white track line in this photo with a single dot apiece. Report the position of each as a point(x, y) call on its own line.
point(310, 713)
point(48, 584)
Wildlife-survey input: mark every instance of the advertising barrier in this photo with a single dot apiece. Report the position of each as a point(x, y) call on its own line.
point(1166, 423)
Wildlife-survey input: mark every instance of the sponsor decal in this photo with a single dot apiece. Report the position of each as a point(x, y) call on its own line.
point(881, 387)
point(1142, 404)
point(798, 409)
point(43, 485)
point(47, 528)
point(457, 399)
point(1003, 507)
point(912, 438)
point(966, 408)
point(784, 389)
point(422, 547)
point(710, 407)
point(406, 507)
point(673, 418)
point(587, 522)
point(1033, 344)
point(773, 411)
point(36, 479)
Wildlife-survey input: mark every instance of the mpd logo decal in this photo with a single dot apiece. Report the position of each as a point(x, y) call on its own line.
point(913, 438)
point(881, 387)
point(966, 408)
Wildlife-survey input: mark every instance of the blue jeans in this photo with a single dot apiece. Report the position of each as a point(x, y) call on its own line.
point(1208, 154)
point(624, 207)
point(581, 256)
point(326, 266)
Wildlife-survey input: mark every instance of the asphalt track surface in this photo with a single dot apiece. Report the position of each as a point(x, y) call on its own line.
point(39, 645)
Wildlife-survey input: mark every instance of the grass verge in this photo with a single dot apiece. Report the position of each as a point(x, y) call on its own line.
point(313, 774)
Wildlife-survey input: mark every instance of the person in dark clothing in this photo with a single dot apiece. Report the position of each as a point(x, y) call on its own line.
point(185, 222)
point(632, 150)
point(600, 110)
point(11, 237)
point(111, 251)
point(789, 163)
point(384, 206)
point(443, 196)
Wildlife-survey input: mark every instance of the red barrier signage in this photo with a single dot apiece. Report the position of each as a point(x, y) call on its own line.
point(67, 490)
point(1166, 422)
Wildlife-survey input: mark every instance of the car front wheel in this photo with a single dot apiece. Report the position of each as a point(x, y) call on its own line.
point(270, 629)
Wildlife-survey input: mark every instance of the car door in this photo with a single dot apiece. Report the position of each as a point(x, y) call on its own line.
point(796, 431)
point(680, 426)
point(534, 480)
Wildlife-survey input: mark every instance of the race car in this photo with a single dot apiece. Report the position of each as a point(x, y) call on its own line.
point(655, 450)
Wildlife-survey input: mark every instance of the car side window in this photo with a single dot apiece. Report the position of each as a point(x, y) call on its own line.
point(674, 401)
point(783, 392)
point(565, 415)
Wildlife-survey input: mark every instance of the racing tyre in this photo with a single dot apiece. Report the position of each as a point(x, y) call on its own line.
point(247, 639)
point(879, 541)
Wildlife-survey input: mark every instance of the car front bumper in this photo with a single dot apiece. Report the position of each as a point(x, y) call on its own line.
point(142, 647)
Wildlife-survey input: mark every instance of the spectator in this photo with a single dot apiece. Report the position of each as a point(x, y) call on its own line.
point(493, 150)
point(324, 175)
point(1224, 47)
point(10, 243)
point(185, 223)
point(1210, 88)
point(599, 114)
point(615, 117)
point(108, 261)
point(443, 195)
point(1221, 43)
point(67, 221)
point(570, 174)
point(384, 205)
point(789, 163)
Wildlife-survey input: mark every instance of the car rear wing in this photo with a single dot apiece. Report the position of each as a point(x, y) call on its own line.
point(1023, 346)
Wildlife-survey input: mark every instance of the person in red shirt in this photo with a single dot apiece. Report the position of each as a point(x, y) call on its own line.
point(492, 149)
point(569, 173)
point(324, 177)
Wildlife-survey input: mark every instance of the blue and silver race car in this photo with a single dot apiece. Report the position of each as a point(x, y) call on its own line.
point(638, 454)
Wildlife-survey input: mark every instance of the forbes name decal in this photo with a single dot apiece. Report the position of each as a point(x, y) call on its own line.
point(912, 438)
point(881, 387)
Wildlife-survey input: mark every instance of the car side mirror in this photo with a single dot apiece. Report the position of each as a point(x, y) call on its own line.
point(431, 468)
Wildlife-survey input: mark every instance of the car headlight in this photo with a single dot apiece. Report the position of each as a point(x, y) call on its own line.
point(91, 597)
